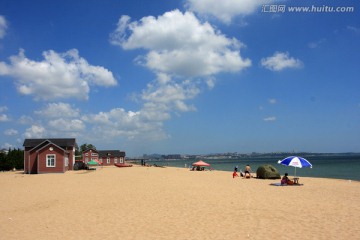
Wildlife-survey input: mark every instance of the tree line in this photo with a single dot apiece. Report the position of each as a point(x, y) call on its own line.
point(13, 159)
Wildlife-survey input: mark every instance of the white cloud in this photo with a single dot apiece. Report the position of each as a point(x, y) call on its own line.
point(4, 118)
point(179, 44)
point(226, 10)
point(56, 110)
point(66, 125)
point(35, 131)
point(180, 50)
point(11, 132)
point(172, 94)
point(3, 26)
point(120, 123)
point(210, 83)
point(272, 101)
point(24, 120)
point(270, 119)
point(280, 61)
point(316, 44)
point(161, 98)
point(64, 75)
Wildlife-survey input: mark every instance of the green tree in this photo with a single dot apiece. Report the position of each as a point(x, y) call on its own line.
point(82, 148)
point(3, 162)
point(86, 146)
point(15, 159)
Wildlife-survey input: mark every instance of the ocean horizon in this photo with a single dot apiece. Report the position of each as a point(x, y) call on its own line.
point(345, 167)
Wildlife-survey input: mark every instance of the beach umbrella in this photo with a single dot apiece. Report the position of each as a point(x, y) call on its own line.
point(201, 164)
point(297, 162)
point(93, 163)
point(96, 160)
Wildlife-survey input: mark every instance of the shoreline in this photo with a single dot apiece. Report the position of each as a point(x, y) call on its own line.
point(253, 173)
point(174, 203)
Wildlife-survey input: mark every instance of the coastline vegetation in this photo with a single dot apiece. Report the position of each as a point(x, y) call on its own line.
point(11, 159)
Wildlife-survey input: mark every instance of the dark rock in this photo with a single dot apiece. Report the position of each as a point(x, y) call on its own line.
point(267, 172)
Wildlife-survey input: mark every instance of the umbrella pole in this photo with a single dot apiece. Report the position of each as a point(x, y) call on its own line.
point(295, 173)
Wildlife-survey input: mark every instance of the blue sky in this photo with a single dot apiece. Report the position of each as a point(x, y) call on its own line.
point(186, 76)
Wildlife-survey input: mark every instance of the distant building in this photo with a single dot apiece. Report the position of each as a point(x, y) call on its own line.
point(172, 156)
point(106, 157)
point(51, 155)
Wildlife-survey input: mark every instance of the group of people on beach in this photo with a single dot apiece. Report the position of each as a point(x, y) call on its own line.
point(285, 180)
point(245, 174)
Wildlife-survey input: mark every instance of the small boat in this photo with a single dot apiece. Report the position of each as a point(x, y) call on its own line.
point(122, 165)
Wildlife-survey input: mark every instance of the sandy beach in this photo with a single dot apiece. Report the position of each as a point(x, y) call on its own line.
point(174, 203)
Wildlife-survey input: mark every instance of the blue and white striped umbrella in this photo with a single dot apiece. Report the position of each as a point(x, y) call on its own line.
point(297, 162)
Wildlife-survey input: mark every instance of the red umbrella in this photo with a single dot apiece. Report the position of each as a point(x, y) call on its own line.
point(96, 160)
point(201, 164)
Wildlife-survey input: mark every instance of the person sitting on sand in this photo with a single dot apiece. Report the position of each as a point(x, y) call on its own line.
point(247, 171)
point(286, 180)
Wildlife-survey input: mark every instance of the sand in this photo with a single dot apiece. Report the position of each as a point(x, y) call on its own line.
point(174, 203)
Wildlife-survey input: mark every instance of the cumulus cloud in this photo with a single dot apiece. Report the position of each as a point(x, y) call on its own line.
point(185, 54)
point(56, 110)
point(3, 26)
point(226, 10)
point(24, 120)
point(58, 76)
point(4, 118)
point(35, 131)
point(160, 99)
point(280, 61)
point(172, 95)
point(10, 132)
point(179, 44)
point(66, 125)
point(121, 123)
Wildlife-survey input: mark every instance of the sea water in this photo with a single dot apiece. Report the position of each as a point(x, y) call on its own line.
point(338, 167)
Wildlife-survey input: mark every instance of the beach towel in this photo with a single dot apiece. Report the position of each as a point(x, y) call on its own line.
point(285, 185)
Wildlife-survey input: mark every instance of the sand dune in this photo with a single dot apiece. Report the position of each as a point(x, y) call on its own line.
point(174, 203)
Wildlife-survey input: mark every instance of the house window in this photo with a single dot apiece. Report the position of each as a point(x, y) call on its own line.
point(66, 161)
point(108, 160)
point(121, 160)
point(86, 154)
point(86, 160)
point(115, 160)
point(101, 160)
point(94, 154)
point(50, 160)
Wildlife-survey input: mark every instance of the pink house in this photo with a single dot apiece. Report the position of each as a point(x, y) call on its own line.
point(106, 157)
point(51, 155)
